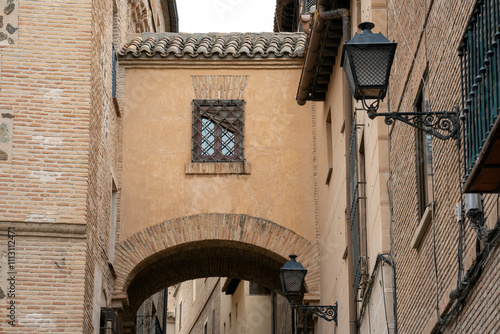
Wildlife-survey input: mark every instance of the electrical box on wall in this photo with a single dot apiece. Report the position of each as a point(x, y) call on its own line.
point(473, 204)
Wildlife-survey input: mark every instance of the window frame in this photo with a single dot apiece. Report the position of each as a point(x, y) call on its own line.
point(255, 289)
point(201, 109)
point(180, 316)
point(329, 145)
point(423, 155)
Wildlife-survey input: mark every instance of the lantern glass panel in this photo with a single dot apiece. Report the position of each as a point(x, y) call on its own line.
point(348, 73)
point(292, 281)
point(372, 65)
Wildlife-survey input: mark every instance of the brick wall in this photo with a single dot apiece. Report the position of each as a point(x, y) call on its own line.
point(47, 291)
point(44, 92)
point(198, 311)
point(421, 286)
point(45, 103)
point(103, 159)
point(208, 245)
point(61, 136)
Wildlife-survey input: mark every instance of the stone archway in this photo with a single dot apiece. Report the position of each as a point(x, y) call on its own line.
point(204, 245)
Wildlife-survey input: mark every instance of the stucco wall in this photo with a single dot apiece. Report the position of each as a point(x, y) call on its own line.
point(334, 210)
point(332, 203)
point(157, 130)
point(248, 313)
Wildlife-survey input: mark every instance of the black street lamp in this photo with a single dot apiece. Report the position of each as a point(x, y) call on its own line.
point(367, 61)
point(292, 276)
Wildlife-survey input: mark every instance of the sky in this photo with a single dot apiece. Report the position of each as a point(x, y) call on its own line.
point(226, 15)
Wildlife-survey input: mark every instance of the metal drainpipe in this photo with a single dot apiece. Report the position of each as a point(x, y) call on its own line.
point(311, 55)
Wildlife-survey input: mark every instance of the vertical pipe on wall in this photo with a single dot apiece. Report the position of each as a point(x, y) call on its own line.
point(314, 44)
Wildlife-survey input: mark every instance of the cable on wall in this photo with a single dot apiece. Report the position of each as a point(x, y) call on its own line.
point(489, 238)
point(471, 278)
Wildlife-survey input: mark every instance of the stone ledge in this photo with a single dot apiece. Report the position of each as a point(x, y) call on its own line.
point(422, 227)
point(119, 301)
point(42, 229)
point(217, 168)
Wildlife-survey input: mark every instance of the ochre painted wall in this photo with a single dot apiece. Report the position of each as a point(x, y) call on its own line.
point(333, 225)
point(157, 130)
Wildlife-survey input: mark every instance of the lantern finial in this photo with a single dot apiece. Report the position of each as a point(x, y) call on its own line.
point(366, 26)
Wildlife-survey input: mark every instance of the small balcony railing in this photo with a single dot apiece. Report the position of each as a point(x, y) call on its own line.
point(146, 324)
point(356, 194)
point(480, 64)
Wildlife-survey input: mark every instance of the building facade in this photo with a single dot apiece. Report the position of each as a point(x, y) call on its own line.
point(400, 218)
point(225, 305)
point(227, 162)
point(446, 245)
point(134, 158)
point(60, 158)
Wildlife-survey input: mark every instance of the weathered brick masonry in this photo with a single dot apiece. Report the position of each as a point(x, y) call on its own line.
point(49, 272)
point(45, 87)
point(61, 154)
point(103, 157)
point(202, 246)
point(429, 36)
point(45, 102)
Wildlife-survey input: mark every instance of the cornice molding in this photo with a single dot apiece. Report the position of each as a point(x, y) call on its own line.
point(216, 63)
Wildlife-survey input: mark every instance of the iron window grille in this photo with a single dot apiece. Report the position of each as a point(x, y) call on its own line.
point(480, 71)
point(306, 322)
point(108, 322)
point(356, 194)
point(217, 131)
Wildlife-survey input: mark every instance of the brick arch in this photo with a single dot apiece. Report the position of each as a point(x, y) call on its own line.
point(204, 245)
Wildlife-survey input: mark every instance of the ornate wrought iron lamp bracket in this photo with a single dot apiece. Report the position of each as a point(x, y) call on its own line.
point(329, 312)
point(440, 124)
point(367, 59)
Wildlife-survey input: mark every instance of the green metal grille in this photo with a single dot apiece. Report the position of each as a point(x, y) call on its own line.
point(480, 63)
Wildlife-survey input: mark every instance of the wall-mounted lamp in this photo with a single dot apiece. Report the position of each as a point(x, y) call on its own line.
point(292, 276)
point(367, 61)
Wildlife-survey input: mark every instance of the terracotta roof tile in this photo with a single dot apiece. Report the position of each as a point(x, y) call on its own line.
point(221, 45)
